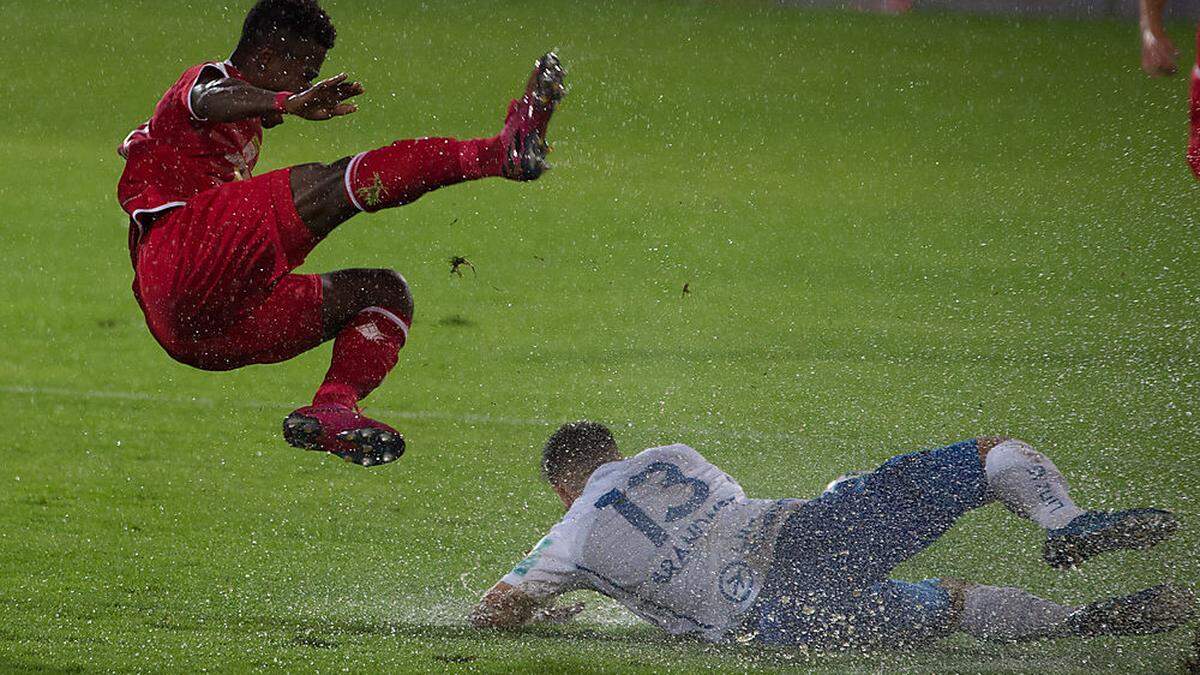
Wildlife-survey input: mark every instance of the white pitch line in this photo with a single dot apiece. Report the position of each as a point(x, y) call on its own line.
point(470, 418)
point(120, 395)
point(259, 405)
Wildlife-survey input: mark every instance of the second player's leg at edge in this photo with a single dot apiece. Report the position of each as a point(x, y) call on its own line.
point(368, 312)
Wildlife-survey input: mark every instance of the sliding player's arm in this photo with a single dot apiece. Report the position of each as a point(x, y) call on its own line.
point(228, 99)
point(526, 594)
point(505, 606)
point(1158, 53)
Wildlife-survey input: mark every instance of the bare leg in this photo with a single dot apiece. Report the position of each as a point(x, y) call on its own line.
point(319, 193)
point(348, 292)
point(367, 312)
point(397, 174)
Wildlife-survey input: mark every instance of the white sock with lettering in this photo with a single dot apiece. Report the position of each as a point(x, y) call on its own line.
point(1009, 614)
point(1029, 484)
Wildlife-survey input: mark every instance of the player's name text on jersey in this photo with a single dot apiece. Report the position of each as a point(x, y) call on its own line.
point(682, 552)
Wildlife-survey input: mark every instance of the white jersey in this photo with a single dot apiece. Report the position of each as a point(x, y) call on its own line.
point(665, 533)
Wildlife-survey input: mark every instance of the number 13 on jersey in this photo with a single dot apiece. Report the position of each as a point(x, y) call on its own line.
point(639, 519)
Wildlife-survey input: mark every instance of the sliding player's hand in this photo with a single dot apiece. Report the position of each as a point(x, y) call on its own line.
point(557, 613)
point(1158, 54)
point(325, 99)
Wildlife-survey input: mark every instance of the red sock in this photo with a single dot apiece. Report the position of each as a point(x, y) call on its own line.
point(403, 171)
point(364, 352)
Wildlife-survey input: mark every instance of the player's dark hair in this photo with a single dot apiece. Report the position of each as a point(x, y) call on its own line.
point(268, 20)
point(576, 450)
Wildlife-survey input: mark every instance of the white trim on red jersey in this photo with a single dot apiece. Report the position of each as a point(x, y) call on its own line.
point(123, 148)
point(138, 213)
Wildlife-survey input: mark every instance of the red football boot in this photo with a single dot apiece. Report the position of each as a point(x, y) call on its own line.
point(344, 432)
point(524, 133)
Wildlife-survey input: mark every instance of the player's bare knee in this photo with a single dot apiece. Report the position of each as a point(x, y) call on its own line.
point(348, 292)
point(393, 292)
point(318, 171)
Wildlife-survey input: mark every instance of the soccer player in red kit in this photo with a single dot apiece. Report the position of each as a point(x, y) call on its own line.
point(213, 247)
point(1158, 58)
point(1193, 151)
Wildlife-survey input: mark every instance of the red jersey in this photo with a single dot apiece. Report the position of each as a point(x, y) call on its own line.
point(176, 155)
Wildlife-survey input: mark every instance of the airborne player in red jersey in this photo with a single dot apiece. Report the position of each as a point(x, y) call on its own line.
point(213, 248)
point(1193, 150)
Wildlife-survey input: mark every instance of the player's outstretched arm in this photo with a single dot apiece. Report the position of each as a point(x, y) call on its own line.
point(230, 99)
point(1158, 53)
point(505, 606)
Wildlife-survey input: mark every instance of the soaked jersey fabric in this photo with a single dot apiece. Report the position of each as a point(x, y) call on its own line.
point(665, 533)
point(176, 155)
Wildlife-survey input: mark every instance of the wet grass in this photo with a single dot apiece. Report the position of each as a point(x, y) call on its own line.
point(895, 232)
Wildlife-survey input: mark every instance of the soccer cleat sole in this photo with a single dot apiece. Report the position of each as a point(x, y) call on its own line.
point(547, 83)
point(1137, 531)
point(528, 160)
point(370, 446)
point(1155, 610)
point(533, 156)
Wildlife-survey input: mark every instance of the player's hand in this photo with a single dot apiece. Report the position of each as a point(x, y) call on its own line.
point(557, 613)
point(1158, 54)
point(325, 99)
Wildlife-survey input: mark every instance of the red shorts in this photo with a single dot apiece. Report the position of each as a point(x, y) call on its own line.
point(213, 277)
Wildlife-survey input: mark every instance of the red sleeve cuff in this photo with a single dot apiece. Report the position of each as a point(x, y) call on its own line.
point(281, 101)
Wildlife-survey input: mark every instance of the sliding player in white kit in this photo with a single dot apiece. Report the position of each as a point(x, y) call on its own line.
point(674, 539)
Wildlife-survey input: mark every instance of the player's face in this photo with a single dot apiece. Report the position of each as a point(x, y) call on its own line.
point(295, 69)
point(566, 496)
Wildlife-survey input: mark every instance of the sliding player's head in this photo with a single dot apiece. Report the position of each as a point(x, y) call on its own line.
point(284, 43)
point(571, 455)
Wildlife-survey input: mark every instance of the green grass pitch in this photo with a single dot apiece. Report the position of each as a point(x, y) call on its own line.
point(896, 233)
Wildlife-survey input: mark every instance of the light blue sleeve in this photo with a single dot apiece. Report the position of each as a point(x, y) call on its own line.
point(550, 568)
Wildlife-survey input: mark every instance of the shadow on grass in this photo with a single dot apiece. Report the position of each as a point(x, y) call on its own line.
point(332, 627)
point(10, 664)
point(460, 643)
